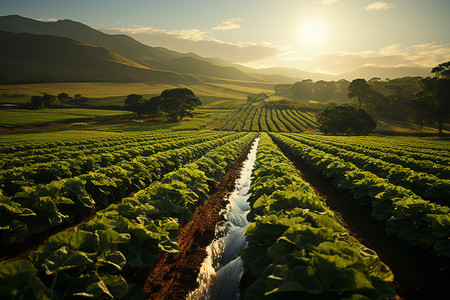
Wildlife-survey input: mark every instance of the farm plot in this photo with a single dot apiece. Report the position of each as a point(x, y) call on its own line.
point(99, 256)
point(406, 214)
point(259, 118)
point(91, 217)
point(297, 247)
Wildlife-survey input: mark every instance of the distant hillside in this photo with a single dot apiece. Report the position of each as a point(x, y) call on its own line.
point(42, 58)
point(144, 63)
point(294, 74)
point(384, 72)
point(364, 72)
point(153, 57)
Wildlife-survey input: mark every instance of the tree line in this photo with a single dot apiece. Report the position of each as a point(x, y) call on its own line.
point(61, 100)
point(425, 100)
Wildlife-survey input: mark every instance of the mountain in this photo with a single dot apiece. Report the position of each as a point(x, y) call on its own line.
point(152, 57)
point(367, 73)
point(36, 58)
point(281, 74)
point(294, 73)
point(386, 72)
point(140, 62)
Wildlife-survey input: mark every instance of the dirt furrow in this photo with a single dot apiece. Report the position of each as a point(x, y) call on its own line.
point(175, 276)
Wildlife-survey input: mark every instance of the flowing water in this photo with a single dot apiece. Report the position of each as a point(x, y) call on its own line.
point(221, 271)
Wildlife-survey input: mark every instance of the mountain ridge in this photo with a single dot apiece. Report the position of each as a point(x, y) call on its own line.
point(162, 59)
point(153, 57)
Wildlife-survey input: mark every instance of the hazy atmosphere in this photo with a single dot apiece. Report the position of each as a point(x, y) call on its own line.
point(329, 36)
point(224, 150)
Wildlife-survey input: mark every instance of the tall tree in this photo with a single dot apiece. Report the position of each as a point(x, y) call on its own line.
point(178, 103)
point(442, 70)
point(152, 107)
point(135, 103)
point(303, 89)
point(360, 89)
point(432, 101)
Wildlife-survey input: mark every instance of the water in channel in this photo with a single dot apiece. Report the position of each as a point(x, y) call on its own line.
point(221, 271)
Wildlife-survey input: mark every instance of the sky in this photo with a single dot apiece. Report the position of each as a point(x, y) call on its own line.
point(330, 36)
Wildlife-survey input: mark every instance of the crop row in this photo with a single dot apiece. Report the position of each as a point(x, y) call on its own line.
point(426, 185)
point(408, 157)
point(398, 145)
point(260, 118)
point(75, 163)
point(48, 205)
point(98, 257)
point(100, 147)
point(81, 143)
point(407, 216)
point(297, 247)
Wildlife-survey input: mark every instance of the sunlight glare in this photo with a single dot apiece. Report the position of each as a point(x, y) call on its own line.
point(312, 33)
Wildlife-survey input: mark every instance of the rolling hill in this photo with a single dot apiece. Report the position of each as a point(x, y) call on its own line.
point(43, 58)
point(119, 57)
point(152, 57)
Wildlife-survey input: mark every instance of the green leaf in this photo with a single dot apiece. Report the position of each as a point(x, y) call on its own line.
point(112, 258)
point(168, 245)
point(63, 259)
point(116, 285)
point(299, 279)
point(109, 237)
point(14, 274)
point(14, 231)
point(18, 280)
point(76, 240)
point(87, 285)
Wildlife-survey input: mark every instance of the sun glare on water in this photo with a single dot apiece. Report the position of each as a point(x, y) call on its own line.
point(312, 33)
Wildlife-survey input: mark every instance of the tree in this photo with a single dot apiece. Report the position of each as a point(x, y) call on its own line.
point(37, 101)
point(48, 99)
point(45, 100)
point(303, 89)
point(178, 103)
point(432, 101)
point(442, 70)
point(151, 107)
point(360, 89)
point(135, 103)
point(64, 98)
point(345, 119)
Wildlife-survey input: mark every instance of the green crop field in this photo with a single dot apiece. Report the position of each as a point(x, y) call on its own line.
point(18, 117)
point(53, 179)
point(258, 117)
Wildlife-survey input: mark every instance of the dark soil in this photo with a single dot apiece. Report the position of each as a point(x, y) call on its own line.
point(175, 276)
point(416, 276)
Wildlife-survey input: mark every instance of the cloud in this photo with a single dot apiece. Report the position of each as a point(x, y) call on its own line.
point(228, 24)
point(47, 20)
point(379, 5)
point(199, 42)
point(423, 55)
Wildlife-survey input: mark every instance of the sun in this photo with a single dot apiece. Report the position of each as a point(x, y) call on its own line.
point(312, 33)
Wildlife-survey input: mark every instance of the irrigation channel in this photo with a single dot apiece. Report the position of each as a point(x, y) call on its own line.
point(221, 271)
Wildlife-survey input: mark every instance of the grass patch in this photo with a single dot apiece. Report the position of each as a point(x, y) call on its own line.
point(20, 117)
point(46, 136)
point(395, 126)
point(87, 89)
